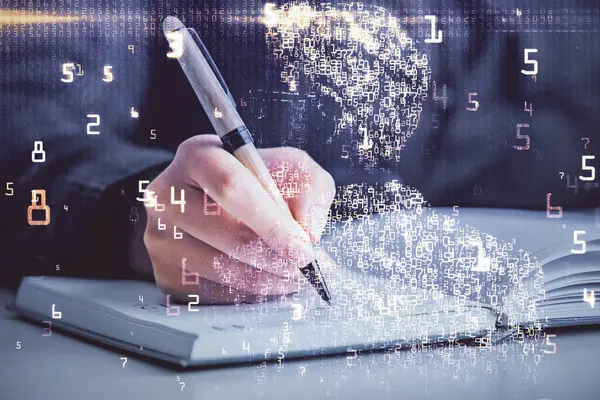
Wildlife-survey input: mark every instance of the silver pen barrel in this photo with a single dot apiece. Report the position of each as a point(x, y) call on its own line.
point(211, 94)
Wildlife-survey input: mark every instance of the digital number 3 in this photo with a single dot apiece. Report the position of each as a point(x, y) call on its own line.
point(175, 40)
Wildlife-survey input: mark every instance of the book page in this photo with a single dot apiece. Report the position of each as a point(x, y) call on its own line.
point(404, 274)
point(441, 249)
point(367, 312)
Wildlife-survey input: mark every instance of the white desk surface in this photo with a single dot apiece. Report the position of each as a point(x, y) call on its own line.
point(63, 367)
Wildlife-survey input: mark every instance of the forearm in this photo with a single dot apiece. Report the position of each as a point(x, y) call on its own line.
point(78, 168)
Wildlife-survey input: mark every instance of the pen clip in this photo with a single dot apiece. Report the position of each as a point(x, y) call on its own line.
point(211, 63)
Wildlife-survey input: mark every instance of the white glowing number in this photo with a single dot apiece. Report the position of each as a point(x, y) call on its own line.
point(147, 194)
point(483, 262)
point(474, 102)
point(56, 314)
point(67, 69)
point(550, 344)
point(177, 235)
point(519, 136)
point(11, 191)
point(345, 153)
point(270, 16)
point(576, 240)
point(108, 75)
point(586, 167)
point(92, 124)
point(175, 40)
point(589, 298)
point(194, 303)
point(180, 202)
point(296, 312)
point(532, 62)
point(161, 227)
point(434, 39)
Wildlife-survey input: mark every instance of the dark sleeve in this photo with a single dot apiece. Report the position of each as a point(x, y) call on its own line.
point(87, 231)
point(462, 157)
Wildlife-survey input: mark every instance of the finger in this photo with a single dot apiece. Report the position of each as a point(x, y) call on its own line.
point(312, 209)
point(307, 187)
point(181, 264)
point(222, 232)
point(229, 183)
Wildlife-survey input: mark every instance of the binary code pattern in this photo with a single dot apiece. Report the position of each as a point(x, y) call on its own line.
point(362, 59)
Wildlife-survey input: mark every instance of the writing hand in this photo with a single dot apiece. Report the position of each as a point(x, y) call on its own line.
point(253, 248)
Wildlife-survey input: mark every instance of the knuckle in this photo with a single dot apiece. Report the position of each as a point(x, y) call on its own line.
point(296, 153)
point(191, 145)
point(200, 157)
point(187, 149)
point(189, 157)
point(194, 151)
point(228, 188)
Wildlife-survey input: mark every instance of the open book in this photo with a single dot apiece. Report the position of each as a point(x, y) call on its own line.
point(418, 275)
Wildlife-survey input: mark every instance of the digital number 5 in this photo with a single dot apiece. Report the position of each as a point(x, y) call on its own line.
point(532, 62)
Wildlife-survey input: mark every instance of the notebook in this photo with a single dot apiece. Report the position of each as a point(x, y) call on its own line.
point(413, 276)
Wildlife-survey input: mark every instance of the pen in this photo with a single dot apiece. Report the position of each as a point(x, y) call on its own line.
point(212, 92)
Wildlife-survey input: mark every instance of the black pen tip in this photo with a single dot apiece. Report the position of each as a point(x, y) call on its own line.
point(312, 272)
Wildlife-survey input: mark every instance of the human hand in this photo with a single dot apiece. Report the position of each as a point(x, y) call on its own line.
point(254, 248)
